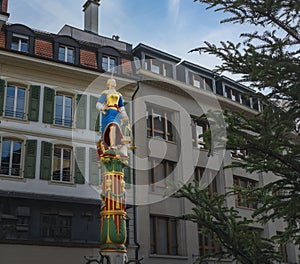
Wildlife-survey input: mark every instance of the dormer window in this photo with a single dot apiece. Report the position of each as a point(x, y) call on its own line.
point(108, 63)
point(66, 49)
point(66, 54)
point(20, 38)
point(20, 43)
point(158, 67)
point(201, 82)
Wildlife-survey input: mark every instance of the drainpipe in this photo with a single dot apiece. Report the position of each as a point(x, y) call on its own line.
point(134, 180)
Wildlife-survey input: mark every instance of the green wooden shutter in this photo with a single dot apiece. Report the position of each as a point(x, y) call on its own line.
point(81, 111)
point(127, 176)
point(34, 103)
point(94, 114)
point(93, 166)
point(30, 159)
point(46, 161)
point(2, 92)
point(49, 97)
point(79, 165)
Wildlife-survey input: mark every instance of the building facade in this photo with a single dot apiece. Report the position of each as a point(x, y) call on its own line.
point(49, 177)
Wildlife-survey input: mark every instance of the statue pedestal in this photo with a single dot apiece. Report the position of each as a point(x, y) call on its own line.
point(113, 211)
point(115, 257)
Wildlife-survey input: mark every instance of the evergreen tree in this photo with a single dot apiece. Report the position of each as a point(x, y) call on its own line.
point(268, 59)
point(236, 239)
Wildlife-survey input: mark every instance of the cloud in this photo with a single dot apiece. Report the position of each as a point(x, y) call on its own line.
point(174, 10)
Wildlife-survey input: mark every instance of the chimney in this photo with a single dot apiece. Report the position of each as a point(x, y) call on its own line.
point(91, 11)
point(3, 12)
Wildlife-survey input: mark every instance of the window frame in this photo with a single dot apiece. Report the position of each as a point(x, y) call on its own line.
point(23, 31)
point(163, 68)
point(169, 243)
point(213, 184)
point(58, 218)
point(66, 49)
point(108, 51)
point(68, 42)
point(168, 170)
point(202, 80)
point(210, 238)
point(22, 153)
point(26, 98)
point(20, 37)
point(72, 163)
point(237, 180)
point(109, 59)
point(64, 96)
point(169, 136)
point(199, 143)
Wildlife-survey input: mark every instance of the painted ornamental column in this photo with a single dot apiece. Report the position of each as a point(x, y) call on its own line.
point(113, 158)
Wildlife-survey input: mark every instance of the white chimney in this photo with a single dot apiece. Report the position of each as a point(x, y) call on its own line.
point(91, 12)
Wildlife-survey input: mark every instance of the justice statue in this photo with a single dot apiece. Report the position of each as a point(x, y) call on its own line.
point(113, 160)
point(115, 128)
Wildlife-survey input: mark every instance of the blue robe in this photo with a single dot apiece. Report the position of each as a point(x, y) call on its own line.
point(111, 116)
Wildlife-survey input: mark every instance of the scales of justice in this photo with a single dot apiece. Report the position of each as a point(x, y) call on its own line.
point(113, 159)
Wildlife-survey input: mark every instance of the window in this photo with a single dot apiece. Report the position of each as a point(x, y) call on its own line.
point(207, 242)
point(109, 63)
point(201, 82)
point(159, 124)
point(198, 128)
point(242, 200)
point(15, 101)
point(207, 177)
point(245, 100)
point(283, 250)
point(56, 226)
point(11, 154)
point(235, 96)
point(158, 67)
point(256, 104)
point(197, 81)
point(159, 172)
point(228, 92)
point(63, 110)
point(62, 164)
point(66, 54)
point(20, 43)
point(163, 235)
point(238, 153)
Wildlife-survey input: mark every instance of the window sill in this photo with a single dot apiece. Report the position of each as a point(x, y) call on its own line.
point(201, 149)
point(162, 139)
point(245, 208)
point(12, 178)
point(14, 119)
point(70, 184)
point(168, 256)
point(62, 127)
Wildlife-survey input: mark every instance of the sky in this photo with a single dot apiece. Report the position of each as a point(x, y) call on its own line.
point(173, 26)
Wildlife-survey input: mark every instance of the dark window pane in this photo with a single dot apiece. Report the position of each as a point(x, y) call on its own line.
point(5, 157)
point(112, 64)
point(162, 234)
point(152, 235)
point(61, 53)
point(24, 45)
point(20, 107)
point(70, 55)
point(173, 236)
point(105, 63)
point(15, 43)
point(10, 101)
